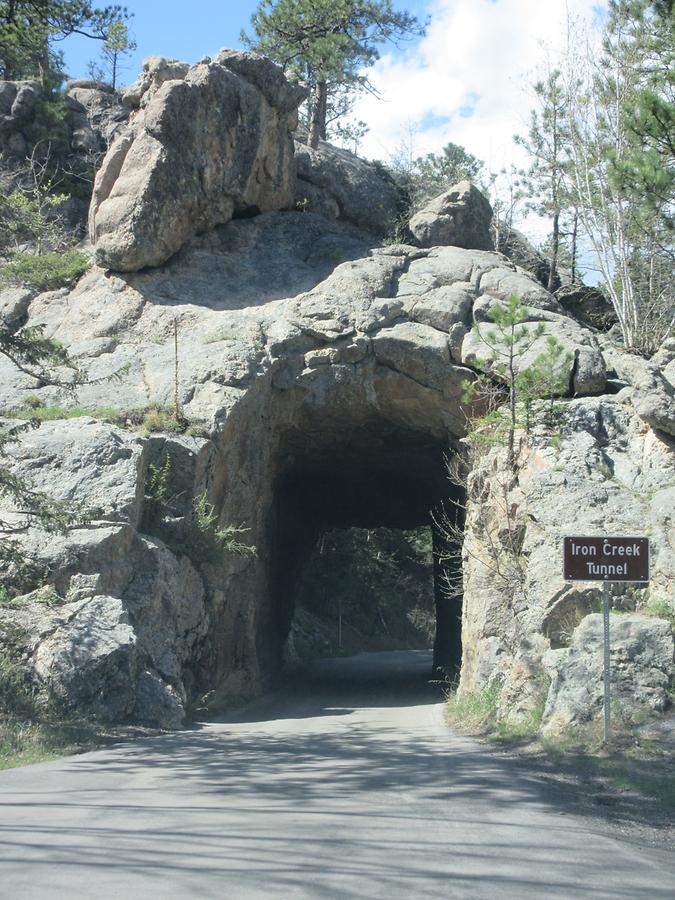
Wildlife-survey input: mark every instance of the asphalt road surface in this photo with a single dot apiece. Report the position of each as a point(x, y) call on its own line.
point(344, 784)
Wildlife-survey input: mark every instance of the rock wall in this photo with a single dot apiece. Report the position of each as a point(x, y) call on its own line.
point(94, 114)
point(327, 374)
point(603, 470)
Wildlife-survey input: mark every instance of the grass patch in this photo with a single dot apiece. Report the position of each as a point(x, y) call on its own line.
point(631, 763)
point(24, 742)
point(475, 713)
point(47, 272)
point(154, 418)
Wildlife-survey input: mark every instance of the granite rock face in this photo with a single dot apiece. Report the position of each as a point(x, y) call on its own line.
point(337, 184)
point(207, 142)
point(94, 115)
point(641, 667)
point(607, 473)
point(459, 217)
point(328, 373)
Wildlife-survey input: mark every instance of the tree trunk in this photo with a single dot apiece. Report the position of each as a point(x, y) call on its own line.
point(575, 229)
point(555, 242)
point(317, 130)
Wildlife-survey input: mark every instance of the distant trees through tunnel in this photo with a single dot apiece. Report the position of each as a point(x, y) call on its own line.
point(365, 589)
point(354, 548)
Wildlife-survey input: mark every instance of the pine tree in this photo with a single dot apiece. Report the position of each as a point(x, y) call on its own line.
point(615, 180)
point(327, 44)
point(117, 45)
point(28, 29)
point(546, 143)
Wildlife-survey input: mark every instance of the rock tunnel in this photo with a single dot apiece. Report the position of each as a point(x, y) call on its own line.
point(368, 474)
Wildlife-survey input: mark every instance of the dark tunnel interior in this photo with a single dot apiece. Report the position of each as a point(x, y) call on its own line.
point(367, 477)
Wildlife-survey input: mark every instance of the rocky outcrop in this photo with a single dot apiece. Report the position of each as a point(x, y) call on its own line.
point(652, 393)
point(337, 184)
point(329, 375)
point(459, 217)
point(606, 473)
point(513, 244)
point(203, 147)
point(93, 116)
point(587, 305)
point(641, 668)
point(17, 102)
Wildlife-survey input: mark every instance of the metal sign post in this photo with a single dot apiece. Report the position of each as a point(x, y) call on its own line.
point(606, 559)
point(605, 622)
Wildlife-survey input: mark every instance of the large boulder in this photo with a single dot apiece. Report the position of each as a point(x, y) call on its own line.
point(202, 148)
point(337, 184)
point(641, 666)
point(17, 102)
point(459, 217)
point(653, 393)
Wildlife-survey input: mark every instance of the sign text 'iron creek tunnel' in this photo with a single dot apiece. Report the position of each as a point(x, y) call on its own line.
point(606, 559)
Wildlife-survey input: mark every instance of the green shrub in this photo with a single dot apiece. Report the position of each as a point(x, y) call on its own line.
point(477, 711)
point(45, 273)
point(196, 534)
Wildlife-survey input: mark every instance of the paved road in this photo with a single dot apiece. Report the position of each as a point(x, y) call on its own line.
point(347, 785)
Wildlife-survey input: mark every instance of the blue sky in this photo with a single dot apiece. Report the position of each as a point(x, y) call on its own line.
point(182, 30)
point(469, 80)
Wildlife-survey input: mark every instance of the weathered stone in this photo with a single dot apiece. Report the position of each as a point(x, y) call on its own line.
point(459, 217)
point(90, 660)
point(325, 372)
point(641, 666)
point(156, 70)
point(14, 303)
point(330, 178)
point(186, 163)
point(608, 474)
point(653, 395)
point(587, 305)
point(95, 116)
point(581, 365)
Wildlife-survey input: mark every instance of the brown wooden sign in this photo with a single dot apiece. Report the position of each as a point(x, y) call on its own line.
point(606, 559)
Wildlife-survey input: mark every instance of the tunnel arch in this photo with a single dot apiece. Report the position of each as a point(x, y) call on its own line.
point(336, 446)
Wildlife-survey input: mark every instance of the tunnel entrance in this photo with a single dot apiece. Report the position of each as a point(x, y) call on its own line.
point(371, 477)
point(365, 589)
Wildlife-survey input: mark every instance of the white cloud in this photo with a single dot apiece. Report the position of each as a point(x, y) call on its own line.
point(476, 53)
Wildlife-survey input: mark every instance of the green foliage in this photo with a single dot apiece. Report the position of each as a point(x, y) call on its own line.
point(154, 418)
point(15, 692)
point(117, 45)
point(327, 45)
point(475, 712)
point(619, 174)
point(28, 28)
point(206, 541)
point(195, 531)
point(47, 272)
point(32, 216)
point(645, 170)
point(543, 377)
point(427, 176)
point(381, 582)
point(546, 143)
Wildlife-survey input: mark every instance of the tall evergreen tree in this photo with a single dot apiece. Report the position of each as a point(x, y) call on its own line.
point(28, 29)
point(327, 44)
point(547, 143)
